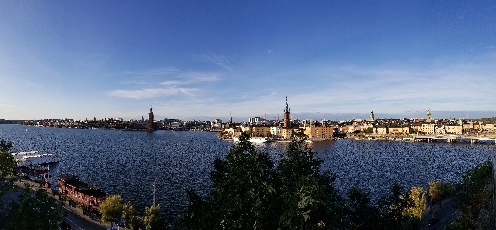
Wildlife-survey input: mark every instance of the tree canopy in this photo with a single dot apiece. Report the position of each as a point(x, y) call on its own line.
point(111, 208)
point(250, 191)
point(35, 211)
point(153, 219)
point(7, 163)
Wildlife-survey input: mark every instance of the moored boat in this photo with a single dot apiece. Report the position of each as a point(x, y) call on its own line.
point(34, 158)
point(82, 193)
point(254, 139)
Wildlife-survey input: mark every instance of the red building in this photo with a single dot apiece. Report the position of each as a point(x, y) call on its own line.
point(88, 196)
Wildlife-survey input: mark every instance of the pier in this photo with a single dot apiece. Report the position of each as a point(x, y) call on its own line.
point(453, 139)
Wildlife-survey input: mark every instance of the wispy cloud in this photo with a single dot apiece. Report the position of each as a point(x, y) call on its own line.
point(154, 72)
point(152, 92)
point(191, 78)
point(218, 60)
point(178, 83)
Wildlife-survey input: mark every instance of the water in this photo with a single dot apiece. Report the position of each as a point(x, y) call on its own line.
point(129, 162)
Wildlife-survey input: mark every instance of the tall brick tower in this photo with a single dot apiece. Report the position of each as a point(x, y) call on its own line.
point(150, 125)
point(287, 116)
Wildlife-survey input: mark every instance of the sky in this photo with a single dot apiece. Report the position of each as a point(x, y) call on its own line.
point(207, 59)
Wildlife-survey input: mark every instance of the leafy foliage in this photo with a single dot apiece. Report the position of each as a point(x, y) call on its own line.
point(111, 208)
point(152, 218)
point(359, 212)
point(35, 211)
point(393, 208)
point(417, 195)
point(7, 163)
point(131, 220)
point(439, 191)
point(249, 192)
point(474, 198)
point(306, 195)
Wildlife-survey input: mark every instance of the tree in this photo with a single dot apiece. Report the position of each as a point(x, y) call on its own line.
point(35, 211)
point(7, 163)
point(249, 193)
point(152, 218)
point(474, 198)
point(393, 210)
point(359, 212)
point(128, 215)
point(417, 195)
point(306, 195)
point(111, 208)
point(242, 194)
point(439, 191)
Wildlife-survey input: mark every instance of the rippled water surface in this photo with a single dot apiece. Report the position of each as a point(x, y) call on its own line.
point(129, 163)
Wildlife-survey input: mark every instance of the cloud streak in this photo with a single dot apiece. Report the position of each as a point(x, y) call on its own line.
point(180, 83)
point(218, 60)
point(152, 92)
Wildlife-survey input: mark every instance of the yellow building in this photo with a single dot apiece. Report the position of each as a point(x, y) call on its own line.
point(260, 131)
point(286, 133)
point(399, 129)
point(380, 129)
point(453, 129)
point(428, 128)
point(319, 132)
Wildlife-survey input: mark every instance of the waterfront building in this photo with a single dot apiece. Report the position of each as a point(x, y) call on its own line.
point(453, 128)
point(260, 131)
point(489, 127)
point(381, 129)
point(287, 133)
point(399, 129)
point(416, 127)
point(275, 131)
point(323, 132)
point(428, 128)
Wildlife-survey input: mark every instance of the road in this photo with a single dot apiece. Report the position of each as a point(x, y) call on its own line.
point(74, 216)
point(77, 222)
point(445, 215)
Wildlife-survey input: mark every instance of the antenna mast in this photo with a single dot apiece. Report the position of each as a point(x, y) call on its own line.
point(154, 191)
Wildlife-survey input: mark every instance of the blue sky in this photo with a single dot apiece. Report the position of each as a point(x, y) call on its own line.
point(85, 59)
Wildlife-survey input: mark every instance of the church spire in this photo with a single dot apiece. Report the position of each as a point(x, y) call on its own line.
point(429, 115)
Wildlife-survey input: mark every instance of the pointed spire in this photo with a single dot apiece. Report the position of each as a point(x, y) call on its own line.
point(287, 108)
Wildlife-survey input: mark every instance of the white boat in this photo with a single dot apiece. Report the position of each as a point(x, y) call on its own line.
point(33, 158)
point(254, 139)
point(258, 139)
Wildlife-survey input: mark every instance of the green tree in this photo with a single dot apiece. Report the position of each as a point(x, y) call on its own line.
point(439, 191)
point(248, 192)
point(152, 218)
point(129, 216)
point(359, 212)
point(474, 198)
point(243, 188)
point(7, 163)
point(306, 195)
point(111, 208)
point(393, 210)
point(35, 211)
point(368, 130)
point(417, 195)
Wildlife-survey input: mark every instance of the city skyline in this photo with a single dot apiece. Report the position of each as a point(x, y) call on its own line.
point(198, 59)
